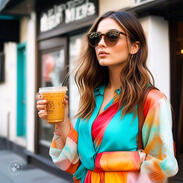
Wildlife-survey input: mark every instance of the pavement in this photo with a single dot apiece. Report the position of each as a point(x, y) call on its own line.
point(14, 169)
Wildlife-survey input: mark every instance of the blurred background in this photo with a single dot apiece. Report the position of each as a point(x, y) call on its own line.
point(39, 44)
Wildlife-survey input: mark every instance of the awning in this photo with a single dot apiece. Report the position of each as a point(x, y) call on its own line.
point(165, 8)
point(17, 7)
point(9, 28)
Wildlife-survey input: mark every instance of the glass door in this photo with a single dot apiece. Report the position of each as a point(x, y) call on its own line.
point(52, 71)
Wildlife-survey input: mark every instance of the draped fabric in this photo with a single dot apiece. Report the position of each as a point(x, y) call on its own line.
point(103, 149)
point(101, 122)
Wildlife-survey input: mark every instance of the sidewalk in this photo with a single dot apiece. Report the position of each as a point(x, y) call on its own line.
point(14, 169)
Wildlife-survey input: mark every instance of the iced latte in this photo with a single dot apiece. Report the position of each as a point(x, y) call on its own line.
point(55, 106)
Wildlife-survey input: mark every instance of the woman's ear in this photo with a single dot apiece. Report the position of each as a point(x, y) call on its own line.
point(134, 48)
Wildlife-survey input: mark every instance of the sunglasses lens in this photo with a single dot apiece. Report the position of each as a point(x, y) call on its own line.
point(94, 38)
point(112, 37)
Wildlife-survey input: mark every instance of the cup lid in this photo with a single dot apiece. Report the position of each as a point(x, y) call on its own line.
point(52, 89)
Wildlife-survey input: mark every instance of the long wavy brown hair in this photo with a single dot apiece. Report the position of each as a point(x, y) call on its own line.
point(135, 75)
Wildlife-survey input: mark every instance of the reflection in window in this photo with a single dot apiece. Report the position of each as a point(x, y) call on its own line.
point(53, 68)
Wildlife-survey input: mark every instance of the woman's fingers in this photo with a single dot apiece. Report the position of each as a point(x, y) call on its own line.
point(38, 96)
point(41, 102)
point(65, 101)
point(41, 107)
point(43, 114)
point(66, 110)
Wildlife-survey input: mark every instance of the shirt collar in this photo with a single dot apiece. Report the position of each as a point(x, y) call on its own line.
point(118, 91)
point(100, 90)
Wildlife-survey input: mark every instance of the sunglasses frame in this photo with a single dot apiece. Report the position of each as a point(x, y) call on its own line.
point(107, 41)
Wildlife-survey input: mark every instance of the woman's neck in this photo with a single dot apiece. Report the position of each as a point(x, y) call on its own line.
point(114, 78)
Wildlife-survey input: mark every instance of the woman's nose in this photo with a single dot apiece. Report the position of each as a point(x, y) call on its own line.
point(102, 42)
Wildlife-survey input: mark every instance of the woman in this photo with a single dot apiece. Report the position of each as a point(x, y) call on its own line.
point(111, 77)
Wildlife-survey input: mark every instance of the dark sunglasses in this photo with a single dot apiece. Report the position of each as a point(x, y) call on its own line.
point(110, 38)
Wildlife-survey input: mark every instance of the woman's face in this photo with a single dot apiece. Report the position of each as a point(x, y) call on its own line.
point(111, 55)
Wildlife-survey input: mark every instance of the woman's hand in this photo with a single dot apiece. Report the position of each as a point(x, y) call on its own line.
point(41, 107)
point(61, 129)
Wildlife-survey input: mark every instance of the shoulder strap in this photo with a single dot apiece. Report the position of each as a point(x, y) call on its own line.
point(141, 116)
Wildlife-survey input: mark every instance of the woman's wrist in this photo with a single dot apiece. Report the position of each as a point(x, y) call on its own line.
point(61, 136)
point(62, 129)
point(58, 141)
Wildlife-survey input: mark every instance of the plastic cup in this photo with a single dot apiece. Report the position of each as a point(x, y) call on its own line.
point(55, 106)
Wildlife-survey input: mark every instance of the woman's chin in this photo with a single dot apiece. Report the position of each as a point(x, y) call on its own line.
point(108, 63)
point(103, 62)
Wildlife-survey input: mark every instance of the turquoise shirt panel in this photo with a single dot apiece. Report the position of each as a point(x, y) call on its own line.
point(120, 134)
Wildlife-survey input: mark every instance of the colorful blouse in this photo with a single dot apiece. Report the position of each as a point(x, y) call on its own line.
point(103, 149)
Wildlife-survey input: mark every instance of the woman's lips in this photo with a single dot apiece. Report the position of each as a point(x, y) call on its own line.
point(103, 54)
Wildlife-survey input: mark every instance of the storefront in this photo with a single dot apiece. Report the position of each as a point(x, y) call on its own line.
point(53, 48)
point(60, 29)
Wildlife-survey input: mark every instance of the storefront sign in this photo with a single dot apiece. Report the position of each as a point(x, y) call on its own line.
point(139, 2)
point(66, 13)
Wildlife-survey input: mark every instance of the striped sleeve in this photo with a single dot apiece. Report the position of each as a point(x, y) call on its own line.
point(159, 161)
point(67, 158)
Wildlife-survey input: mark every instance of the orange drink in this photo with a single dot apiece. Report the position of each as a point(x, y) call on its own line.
point(55, 106)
